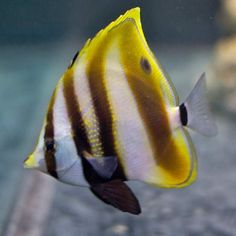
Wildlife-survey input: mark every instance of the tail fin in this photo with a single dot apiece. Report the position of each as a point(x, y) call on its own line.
point(199, 117)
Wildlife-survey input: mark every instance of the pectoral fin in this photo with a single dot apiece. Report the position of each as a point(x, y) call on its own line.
point(117, 194)
point(104, 166)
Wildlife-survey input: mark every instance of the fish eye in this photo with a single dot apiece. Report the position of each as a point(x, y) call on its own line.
point(49, 145)
point(145, 65)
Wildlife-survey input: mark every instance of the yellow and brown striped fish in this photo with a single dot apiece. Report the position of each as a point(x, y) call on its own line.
point(114, 116)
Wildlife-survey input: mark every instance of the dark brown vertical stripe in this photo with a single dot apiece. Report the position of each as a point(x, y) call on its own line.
point(152, 110)
point(78, 128)
point(79, 132)
point(49, 135)
point(151, 106)
point(81, 140)
point(95, 73)
point(153, 113)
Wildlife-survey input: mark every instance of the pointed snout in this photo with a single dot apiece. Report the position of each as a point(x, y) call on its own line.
point(30, 162)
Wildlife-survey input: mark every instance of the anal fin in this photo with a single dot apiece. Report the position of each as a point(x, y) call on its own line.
point(117, 194)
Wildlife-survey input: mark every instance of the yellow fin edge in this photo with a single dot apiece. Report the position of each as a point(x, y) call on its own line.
point(133, 13)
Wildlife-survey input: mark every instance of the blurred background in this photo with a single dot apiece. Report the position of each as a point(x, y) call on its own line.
point(37, 41)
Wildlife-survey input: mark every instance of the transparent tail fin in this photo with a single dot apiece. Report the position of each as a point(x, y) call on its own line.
point(199, 115)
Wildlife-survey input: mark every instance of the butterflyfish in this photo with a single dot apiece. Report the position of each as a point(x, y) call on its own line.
point(115, 116)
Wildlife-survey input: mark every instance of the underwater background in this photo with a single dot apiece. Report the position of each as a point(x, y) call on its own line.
point(37, 41)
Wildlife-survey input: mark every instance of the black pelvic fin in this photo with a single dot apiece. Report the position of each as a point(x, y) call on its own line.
point(117, 194)
point(183, 114)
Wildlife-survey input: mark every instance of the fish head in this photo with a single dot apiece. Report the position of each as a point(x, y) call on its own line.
point(36, 160)
point(56, 154)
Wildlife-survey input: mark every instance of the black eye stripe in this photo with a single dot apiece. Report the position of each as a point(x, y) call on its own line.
point(49, 155)
point(145, 65)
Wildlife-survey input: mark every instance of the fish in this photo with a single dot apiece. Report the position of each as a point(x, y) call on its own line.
point(115, 116)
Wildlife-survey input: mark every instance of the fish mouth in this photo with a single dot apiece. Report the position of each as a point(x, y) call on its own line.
point(30, 162)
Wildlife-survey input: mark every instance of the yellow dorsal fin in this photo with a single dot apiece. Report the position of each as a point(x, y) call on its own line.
point(133, 14)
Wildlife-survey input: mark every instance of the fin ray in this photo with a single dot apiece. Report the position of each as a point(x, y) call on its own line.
point(199, 114)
